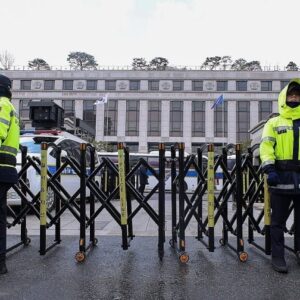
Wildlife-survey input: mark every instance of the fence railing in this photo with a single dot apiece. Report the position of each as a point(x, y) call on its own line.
point(168, 68)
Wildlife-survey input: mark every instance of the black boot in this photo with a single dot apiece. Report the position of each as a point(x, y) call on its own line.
point(279, 264)
point(3, 268)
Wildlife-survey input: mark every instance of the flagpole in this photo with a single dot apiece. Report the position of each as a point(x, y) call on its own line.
point(106, 107)
point(103, 101)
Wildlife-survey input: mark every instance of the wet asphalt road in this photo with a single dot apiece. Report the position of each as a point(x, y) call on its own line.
point(112, 273)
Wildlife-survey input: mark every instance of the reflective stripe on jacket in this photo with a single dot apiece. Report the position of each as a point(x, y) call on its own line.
point(9, 133)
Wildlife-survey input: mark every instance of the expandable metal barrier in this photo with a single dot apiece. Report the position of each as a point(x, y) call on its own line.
point(244, 183)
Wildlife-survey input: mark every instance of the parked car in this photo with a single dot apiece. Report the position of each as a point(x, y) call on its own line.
point(70, 145)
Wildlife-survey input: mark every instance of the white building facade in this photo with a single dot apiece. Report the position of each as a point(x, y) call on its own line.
point(149, 107)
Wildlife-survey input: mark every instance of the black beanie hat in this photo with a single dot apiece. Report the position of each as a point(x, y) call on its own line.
point(5, 86)
point(293, 86)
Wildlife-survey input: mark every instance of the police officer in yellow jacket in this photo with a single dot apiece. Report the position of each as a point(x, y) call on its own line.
point(280, 156)
point(9, 145)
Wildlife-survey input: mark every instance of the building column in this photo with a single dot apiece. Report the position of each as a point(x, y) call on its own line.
point(16, 104)
point(79, 109)
point(187, 125)
point(143, 126)
point(275, 106)
point(99, 122)
point(231, 108)
point(121, 120)
point(165, 120)
point(253, 113)
point(209, 122)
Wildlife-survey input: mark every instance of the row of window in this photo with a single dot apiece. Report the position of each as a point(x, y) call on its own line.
point(176, 118)
point(153, 85)
point(154, 117)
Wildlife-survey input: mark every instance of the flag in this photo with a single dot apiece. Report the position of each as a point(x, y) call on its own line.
point(103, 100)
point(219, 101)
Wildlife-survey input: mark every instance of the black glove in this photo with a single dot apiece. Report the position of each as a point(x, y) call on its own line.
point(273, 178)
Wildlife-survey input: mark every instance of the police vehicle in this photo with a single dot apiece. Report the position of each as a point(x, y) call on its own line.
point(70, 145)
point(48, 118)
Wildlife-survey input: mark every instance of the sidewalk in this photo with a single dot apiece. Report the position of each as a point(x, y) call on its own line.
point(143, 225)
point(109, 272)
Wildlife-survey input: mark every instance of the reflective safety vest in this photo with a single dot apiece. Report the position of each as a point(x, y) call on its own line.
point(279, 146)
point(9, 134)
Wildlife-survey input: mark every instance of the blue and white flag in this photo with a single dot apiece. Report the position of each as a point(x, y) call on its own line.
point(219, 101)
point(103, 100)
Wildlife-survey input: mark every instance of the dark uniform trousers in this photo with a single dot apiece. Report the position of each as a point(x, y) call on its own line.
point(280, 204)
point(4, 187)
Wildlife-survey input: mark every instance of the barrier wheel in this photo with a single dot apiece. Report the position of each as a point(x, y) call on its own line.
point(27, 242)
point(221, 241)
point(243, 256)
point(95, 242)
point(184, 257)
point(80, 256)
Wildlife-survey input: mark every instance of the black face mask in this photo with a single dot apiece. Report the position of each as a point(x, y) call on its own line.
point(293, 104)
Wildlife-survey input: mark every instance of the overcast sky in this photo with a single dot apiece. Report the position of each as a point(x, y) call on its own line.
point(183, 31)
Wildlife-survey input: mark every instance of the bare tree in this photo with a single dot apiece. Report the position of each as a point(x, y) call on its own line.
point(7, 60)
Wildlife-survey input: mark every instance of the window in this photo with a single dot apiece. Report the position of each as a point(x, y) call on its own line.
point(153, 85)
point(176, 118)
point(283, 83)
point(243, 121)
point(265, 109)
point(69, 107)
point(67, 84)
point(24, 109)
point(222, 85)
point(177, 85)
point(72, 148)
point(266, 86)
point(25, 84)
point(89, 113)
point(111, 118)
point(110, 85)
point(221, 120)
point(134, 85)
point(133, 147)
point(91, 84)
point(198, 118)
point(132, 117)
point(154, 118)
point(49, 84)
point(197, 85)
point(241, 85)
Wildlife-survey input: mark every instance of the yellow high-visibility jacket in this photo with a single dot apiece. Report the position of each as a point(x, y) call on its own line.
point(279, 148)
point(9, 140)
